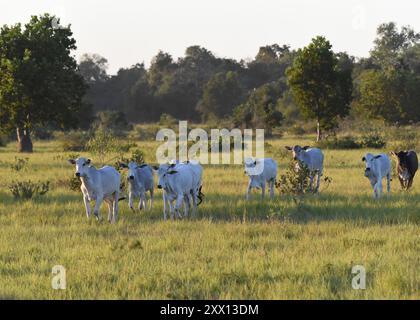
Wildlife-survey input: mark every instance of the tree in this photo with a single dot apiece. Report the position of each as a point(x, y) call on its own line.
point(39, 83)
point(93, 68)
point(391, 44)
point(260, 110)
point(319, 86)
point(221, 94)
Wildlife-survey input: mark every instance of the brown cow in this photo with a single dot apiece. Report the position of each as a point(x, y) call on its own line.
point(407, 165)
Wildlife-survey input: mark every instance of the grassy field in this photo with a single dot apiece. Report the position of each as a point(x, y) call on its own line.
point(235, 249)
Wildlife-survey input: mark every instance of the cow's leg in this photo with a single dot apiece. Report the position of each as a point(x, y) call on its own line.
point(98, 203)
point(142, 201)
point(130, 200)
point(165, 205)
point(272, 184)
point(318, 181)
point(151, 199)
point(115, 209)
point(178, 204)
point(410, 182)
point(263, 190)
point(87, 205)
point(311, 181)
point(109, 204)
point(248, 190)
point(187, 204)
point(379, 187)
point(402, 182)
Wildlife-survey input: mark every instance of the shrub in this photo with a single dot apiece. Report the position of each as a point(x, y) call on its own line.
point(167, 120)
point(295, 182)
point(27, 189)
point(345, 142)
point(372, 140)
point(19, 164)
point(73, 140)
point(73, 183)
point(296, 130)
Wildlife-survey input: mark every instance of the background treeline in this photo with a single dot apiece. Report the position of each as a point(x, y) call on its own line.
point(43, 88)
point(202, 87)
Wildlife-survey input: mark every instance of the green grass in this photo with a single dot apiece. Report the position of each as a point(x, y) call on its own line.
point(235, 249)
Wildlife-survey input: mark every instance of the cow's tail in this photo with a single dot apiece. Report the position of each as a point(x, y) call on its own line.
point(200, 196)
point(122, 198)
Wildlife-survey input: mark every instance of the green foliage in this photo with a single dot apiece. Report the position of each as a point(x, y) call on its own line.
point(221, 94)
point(105, 143)
point(295, 182)
point(19, 164)
point(167, 120)
point(320, 88)
point(27, 189)
point(39, 83)
point(73, 140)
point(260, 110)
point(114, 121)
point(346, 143)
point(372, 140)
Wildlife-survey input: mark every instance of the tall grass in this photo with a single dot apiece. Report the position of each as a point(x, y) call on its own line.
point(287, 248)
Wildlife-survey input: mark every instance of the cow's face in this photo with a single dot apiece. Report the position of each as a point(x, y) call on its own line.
point(297, 152)
point(369, 160)
point(163, 171)
point(82, 165)
point(402, 164)
point(132, 167)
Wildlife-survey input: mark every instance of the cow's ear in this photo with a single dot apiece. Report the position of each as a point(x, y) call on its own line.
point(288, 148)
point(172, 165)
point(393, 153)
point(88, 161)
point(172, 172)
point(72, 161)
point(364, 159)
point(123, 165)
point(306, 147)
point(142, 166)
point(155, 168)
point(377, 157)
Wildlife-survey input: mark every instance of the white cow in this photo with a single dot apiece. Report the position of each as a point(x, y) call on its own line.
point(313, 159)
point(177, 182)
point(140, 181)
point(378, 167)
point(99, 185)
point(260, 172)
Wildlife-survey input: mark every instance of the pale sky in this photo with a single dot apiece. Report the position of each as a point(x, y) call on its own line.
point(127, 32)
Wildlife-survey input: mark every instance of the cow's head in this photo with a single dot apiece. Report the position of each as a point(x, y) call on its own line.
point(82, 165)
point(163, 171)
point(297, 151)
point(369, 159)
point(402, 163)
point(253, 167)
point(132, 167)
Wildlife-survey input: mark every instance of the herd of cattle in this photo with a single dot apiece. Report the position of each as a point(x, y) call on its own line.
point(182, 181)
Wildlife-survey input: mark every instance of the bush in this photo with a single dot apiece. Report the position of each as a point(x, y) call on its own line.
point(114, 121)
point(372, 140)
point(73, 140)
point(19, 164)
point(144, 132)
point(296, 130)
point(295, 182)
point(167, 120)
point(26, 189)
point(345, 142)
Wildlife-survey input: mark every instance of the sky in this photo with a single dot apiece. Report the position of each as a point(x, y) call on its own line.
point(128, 32)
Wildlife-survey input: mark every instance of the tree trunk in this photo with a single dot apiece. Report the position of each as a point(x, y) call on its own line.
point(24, 140)
point(318, 132)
